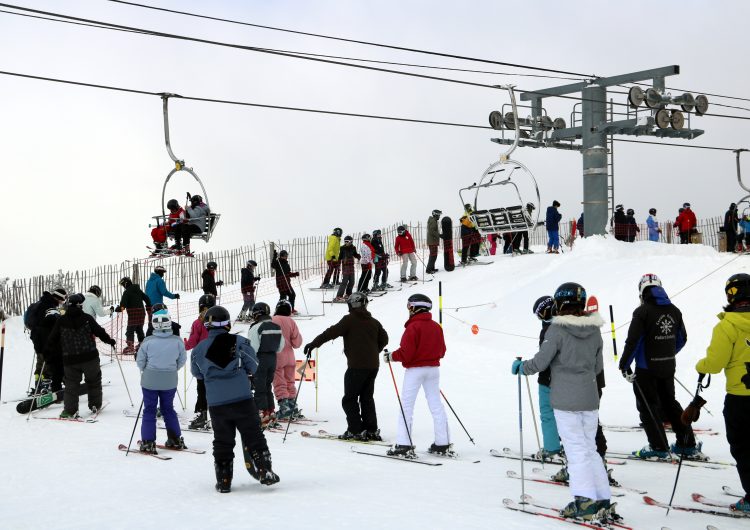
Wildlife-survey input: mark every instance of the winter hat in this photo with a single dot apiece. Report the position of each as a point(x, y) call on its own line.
point(60, 294)
point(631, 211)
point(160, 270)
point(76, 299)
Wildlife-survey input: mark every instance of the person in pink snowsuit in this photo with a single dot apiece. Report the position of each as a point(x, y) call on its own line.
point(283, 377)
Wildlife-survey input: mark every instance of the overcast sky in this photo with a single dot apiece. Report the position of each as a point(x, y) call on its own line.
point(82, 168)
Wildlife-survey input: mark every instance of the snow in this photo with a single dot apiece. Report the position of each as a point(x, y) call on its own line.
point(68, 475)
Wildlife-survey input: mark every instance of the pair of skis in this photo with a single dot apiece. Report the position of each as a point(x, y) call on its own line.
point(124, 448)
point(89, 418)
point(514, 455)
point(533, 507)
point(697, 497)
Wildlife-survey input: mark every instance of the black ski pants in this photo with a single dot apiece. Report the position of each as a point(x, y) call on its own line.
point(290, 295)
point(263, 381)
point(57, 372)
point(658, 393)
point(358, 402)
point(334, 266)
point(731, 240)
point(92, 373)
point(433, 257)
point(737, 421)
point(347, 285)
point(240, 416)
point(364, 279)
point(183, 231)
point(200, 403)
point(381, 270)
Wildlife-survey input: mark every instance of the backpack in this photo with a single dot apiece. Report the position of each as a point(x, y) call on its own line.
point(31, 315)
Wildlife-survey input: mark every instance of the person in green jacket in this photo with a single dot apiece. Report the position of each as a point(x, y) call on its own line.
point(729, 350)
point(332, 258)
point(433, 240)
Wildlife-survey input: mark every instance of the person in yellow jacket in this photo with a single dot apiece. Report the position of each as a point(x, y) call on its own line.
point(730, 351)
point(332, 258)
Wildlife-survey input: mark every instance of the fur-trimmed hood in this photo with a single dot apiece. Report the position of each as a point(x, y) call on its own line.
point(579, 326)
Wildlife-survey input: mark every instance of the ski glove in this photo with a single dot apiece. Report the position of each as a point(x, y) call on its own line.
point(387, 356)
point(112, 342)
point(693, 411)
point(629, 375)
point(118, 309)
point(219, 283)
point(177, 296)
point(517, 367)
point(308, 350)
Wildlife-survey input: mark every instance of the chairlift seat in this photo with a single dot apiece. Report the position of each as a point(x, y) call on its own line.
point(510, 219)
point(212, 219)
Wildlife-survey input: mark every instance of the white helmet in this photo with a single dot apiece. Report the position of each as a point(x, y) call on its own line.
point(161, 322)
point(648, 280)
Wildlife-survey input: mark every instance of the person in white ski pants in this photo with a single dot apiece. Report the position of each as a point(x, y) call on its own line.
point(588, 477)
point(427, 377)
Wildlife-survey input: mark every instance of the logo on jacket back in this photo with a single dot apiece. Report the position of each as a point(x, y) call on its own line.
point(666, 326)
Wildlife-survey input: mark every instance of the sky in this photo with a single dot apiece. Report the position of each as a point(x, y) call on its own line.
point(83, 169)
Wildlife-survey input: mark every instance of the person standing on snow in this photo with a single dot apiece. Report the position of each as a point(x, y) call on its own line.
point(543, 309)
point(284, 275)
point(407, 250)
point(332, 259)
point(552, 222)
point(367, 257)
point(381, 263)
point(283, 377)
point(347, 255)
point(247, 288)
point(364, 339)
point(686, 223)
point(631, 227)
point(730, 227)
point(209, 282)
point(156, 288)
point(132, 301)
point(92, 305)
point(267, 341)
point(198, 333)
point(620, 223)
point(422, 346)
point(654, 232)
point(433, 240)
point(33, 315)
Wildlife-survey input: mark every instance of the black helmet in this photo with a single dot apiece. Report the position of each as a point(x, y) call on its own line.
point(337, 232)
point(543, 307)
point(357, 300)
point(555, 204)
point(630, 211)
point(283, 254)
point(126, 282)
point(283, 308)
point(530, 206)
point(196, 199)
point(619, 207)
point(217, 317)
point(738, 288)
point(207, 300)
point(733, 206)
point(76, 299)
point(160, 269)
point(570, 295)
point(652, 211)
point(419, 303)
point(252, 263)
point(686, 205)
point(158, 307)
point(401, 229)
point(172, 204)
point(376, 232)
point(436, 213)
point(96, 290)
point(348, 239)
point(260, 309)
point(211, 265)
point(366, 237)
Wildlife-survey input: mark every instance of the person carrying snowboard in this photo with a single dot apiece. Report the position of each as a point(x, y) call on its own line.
point(198, 333)
point(422, 346)
point(433, 240)
point(284, 275)
point(730, 227)
point(225, 362)
point(34, 314)
point(283, 377)
point(381, 263)
point(53, 359)
point(208, 278)
point(332, 259)
point(247, 288)
point(347, 255)
point(132, 301)
point(364, 339)
point(407, 250)
point(267, 341)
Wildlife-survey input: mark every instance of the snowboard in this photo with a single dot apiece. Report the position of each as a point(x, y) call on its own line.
point(45, 400)
point(446, 227)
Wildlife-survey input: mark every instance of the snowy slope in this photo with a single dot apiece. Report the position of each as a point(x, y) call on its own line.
point(63, 475)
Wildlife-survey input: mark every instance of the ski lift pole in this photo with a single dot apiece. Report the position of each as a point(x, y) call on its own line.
point(612, 324)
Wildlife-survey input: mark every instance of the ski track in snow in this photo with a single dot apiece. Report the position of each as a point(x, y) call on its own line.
point(65, 475)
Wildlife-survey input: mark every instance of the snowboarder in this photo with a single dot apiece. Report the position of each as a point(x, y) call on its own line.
point(631, 227)
point(553, 228)
point(422, 346)
point(93, 303)
point(654, 231)
point(381, 263)
point(247, 288)
point(332, 259)
point(74, 334)
point(283, 377)
point(620, 222)
point(32, 316)
point(544, 310)
point(656, 335)
point(433, 240)
point(730, 227)
point(367, 257)
point(284, 275)
point(225, 362)
point(159, 358)
point(156, 288)
point(572, 349)
point(407, 251)
point(209, 281)
point(267, 341)
point(132, 301)
point(198, 333)
point(346, 256)
point(364, 339)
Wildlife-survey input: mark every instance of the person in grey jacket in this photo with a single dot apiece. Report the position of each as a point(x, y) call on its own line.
point(267, 340)
point(92, 303)
point(433, 240)
point(159, 358)
point(572, 350)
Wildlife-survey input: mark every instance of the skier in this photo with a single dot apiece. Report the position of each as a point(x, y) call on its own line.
point(729, 351)
point(132, 301)
point(686, 222)
point(381, 263)
point(553, 228)
point(407, 250)
point(346, 256)
point(433, 240)
point(93, 303)
point(572, 349)
point(518, 237)
point(620, 221)
point(283, 377)
point(176, 217)
point(32, 316)
point(656, 335)
point(332, 259)
point(280, 264)
point(209, 282)
point(160, 356)
point(267, 341)
point(631, 227)
point(469, 238)
point(225, 362)
point(653, 226)
point(247, 288)
point(730, 227)
point(161, 309)
point(744, 236)
point(53, 359)
point(367, 257)
point(364, 339)
point(156, 288)
point(73, 334)
point(544, 309)
point(198, 333)
point(422, 346)
point(194, 222)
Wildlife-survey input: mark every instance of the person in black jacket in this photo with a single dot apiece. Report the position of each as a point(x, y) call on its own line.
point(621, 221)
point(544, 309)
point(364, 339)
point(209, 283)
point(52, 357)
point(132, 301)
point(247, 288)
point(284, 275)
point(631, 226)
point(347, 253)
point(48, 300)
point(381, 263)
point(267, 340)
point(656, 334)
point(730, 227)
point(73, 334)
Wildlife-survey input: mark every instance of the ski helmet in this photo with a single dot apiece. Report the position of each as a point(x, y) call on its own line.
point(366, 237)
point(161, 322)
point(206, 301)
point(652, 211)
point(570, 295)
point(419, 303)
point(401, 229)
point(555, 204)
point(76, 299)
point(260, 309)
point(648, 280)
point(252, 263)
point(160, 269)
point(196, 199)
point(96, 290)
point(686, 205)
point(283, 254)
point(619, 208)
point(543, 307)
point(126, 282)
point(356, 300)
point(59, 294)
point(530, 206)
point(172, 204)
point(737, 288)
point(217, 317)
point(211, 265)
point(376, 233)
point(337, 232)
point(348, 239)
point(630, 211)
point(158, 309)
point(436, 213)
point(283, 308)
point(733, 206)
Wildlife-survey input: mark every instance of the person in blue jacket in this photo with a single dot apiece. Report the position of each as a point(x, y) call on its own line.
point(653, 226)
point(553, 228)
point(225, 362)
point(156, 288)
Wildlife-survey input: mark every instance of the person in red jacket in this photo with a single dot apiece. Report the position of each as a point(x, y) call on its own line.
point(686, 223)
point(406, 248)
point(422, 347)
point(198, 333)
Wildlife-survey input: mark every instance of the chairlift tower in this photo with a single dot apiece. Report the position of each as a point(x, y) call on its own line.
point(590, 127)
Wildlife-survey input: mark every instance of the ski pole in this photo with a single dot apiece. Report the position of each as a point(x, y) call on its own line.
point(692, 395)
point(36, 389)
point(520, 435)
point(316, 379)
point(31, 372)
point(400, 405)
point(302, 291)
point(440, 303)
point(456, 415)
point(138, 416)
point(612, 323)
point(533, 417)
point(2, 354)
point(123, 380)
point(299, 387)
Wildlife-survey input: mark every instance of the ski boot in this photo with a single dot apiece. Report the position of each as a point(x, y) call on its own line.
point(386, 285)
point(296, 411)
point(349, 435)
point(413, 279)
point(286, 410)
point(404, 451)
point(69, 415)
point(403, 279)
point(581, 508)
point(200, 421)
point(259, 466)
point(147, 446)
point(174, 442)
point(547, 456)
point(373, 436)
point(562, 475)
point(742, 506)
point(129, 347)
point(690, 453)
point(442, 450)
point(224, 469)
point(647, 453)
point(339, 299)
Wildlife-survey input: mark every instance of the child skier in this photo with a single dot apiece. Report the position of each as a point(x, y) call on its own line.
point(283, 377)
point(543, 309)
point(367, 253)
point(225, 362)
point(284, 275)
point(332, 259)
point(209, 281)
point(267, 341)
point(198, 333)
point(422, 346)
point(247, 287)
point(160, 357)
point(407, 250)
point(347, 255)
point(132, 301)
point(381, 263)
